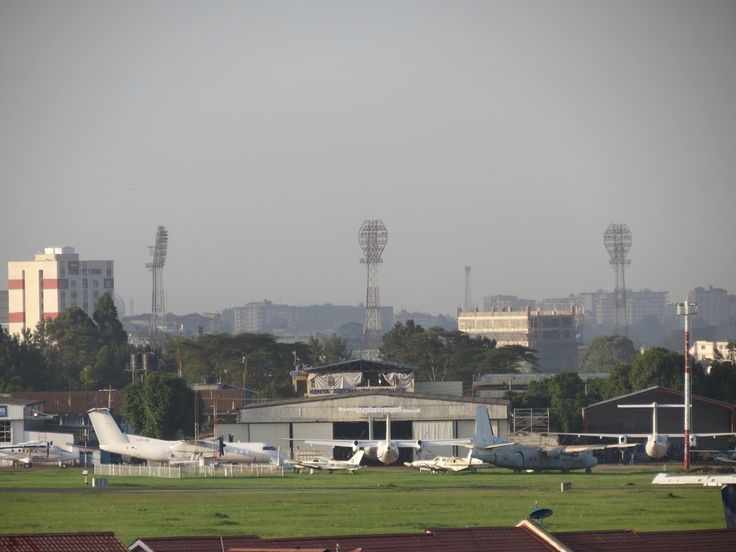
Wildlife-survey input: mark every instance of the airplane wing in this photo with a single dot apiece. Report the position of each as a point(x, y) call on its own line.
point(607, 435)
point(575, 449)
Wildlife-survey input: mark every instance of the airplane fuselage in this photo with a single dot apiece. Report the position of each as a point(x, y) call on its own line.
point(146, 448)
point(525, 457)
point(249, 453)
point(656, 446)
point(386, 453)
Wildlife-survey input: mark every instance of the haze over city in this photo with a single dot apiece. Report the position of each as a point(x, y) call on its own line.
point(501, 135)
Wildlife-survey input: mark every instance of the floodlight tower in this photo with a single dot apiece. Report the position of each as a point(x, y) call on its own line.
point(617, 239)
point(372, 237)
point(686, 310)
point(468, 296)
point(158, 301)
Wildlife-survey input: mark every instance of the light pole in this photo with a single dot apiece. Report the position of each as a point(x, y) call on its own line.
point(687, 309)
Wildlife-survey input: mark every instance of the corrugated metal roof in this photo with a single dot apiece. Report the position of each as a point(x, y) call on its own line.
point(62, 542)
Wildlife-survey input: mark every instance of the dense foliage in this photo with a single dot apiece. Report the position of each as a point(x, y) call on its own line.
point(71, 352)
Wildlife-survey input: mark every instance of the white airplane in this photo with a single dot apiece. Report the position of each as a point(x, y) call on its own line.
point(518, 457)
point(159, 451)
point(41, 452)
point(444, 464)
point(657, 444)
point(385, 450)
point(320, 463)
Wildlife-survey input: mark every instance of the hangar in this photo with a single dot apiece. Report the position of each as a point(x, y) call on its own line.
point(708, 416)
point(416, 416)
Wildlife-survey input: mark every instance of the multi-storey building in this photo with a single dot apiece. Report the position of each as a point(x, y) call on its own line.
point(551, 333)
point(282, 320)
point(54, 281)
point(717, 308)
point(713, 350)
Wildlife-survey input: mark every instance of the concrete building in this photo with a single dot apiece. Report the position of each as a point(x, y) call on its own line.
point(280, 320)
point(4, 308)
point(713, 350)
point(551, 333)
point(716, 308)
point(54, 281)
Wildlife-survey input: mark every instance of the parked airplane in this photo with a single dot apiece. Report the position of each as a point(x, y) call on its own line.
point(385, 450)
point(657, 444)
point(159, 451)
point(444, 464)
point(518, 457)
point(41, 452)
point(320, 463)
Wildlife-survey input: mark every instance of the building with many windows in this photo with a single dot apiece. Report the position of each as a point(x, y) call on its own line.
point(552, 334)
point(52, 282)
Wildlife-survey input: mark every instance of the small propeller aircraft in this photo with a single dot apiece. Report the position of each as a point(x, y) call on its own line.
point(41, 452)
point(444, 464)
point(330, 465)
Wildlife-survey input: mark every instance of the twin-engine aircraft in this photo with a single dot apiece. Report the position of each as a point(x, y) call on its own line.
point(657, 444)
point(520, 457)
point(330, 465)
point(41, 452)
point(158, 451)
point(445, 464)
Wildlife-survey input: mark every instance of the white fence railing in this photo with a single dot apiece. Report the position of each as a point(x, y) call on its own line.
point(178, 472)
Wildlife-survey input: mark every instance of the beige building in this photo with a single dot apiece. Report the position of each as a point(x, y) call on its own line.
point(54, 281)
point(713, 350)
point(551, 333)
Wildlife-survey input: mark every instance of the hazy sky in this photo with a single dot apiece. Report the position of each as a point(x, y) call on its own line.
point(501, 135)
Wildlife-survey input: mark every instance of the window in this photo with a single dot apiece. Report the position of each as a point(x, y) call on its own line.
point(5, 433)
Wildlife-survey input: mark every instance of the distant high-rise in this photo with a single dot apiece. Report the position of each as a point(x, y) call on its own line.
point(158, 297)
point(372, 237)
point(617, 239)
point(54, 281)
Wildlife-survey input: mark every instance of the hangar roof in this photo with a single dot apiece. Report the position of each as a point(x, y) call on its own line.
point(362, 365)
point(659, 390)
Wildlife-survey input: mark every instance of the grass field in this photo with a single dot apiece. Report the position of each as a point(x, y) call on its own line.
point(375, 500)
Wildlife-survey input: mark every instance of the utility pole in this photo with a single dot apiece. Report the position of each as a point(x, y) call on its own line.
point(687, 309)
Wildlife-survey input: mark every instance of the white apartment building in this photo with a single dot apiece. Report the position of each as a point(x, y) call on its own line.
point(54, 281)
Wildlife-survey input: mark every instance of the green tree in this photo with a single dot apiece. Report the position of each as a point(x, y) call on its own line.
point(161, 406)
point(657, 366)
point(719, 382)
point(510, 359)
point(255, 361)
point(328, 350)
point(607, 352)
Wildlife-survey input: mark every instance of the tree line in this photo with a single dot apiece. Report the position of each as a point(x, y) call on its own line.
point(76, 352)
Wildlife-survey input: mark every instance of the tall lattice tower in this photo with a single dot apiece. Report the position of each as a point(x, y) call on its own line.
point(468, 295)
point(617, 239)
point(158, 298)
point(373, 237)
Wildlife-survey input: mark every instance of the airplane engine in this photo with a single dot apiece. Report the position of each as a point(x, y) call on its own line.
point(622, 439)
point(356, 446)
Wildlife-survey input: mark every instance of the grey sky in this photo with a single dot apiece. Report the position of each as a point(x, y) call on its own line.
point(501, 135)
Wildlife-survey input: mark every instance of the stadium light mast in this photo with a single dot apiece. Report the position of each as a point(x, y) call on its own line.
point(158, 297)
point(687, 309)
point(617, 239)
point(372, 237)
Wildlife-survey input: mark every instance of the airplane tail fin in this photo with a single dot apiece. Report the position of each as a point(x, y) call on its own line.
point(356, 458)
point(483, 432)
point(106, 428)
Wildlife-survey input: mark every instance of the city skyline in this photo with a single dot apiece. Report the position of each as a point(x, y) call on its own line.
point(501, 136)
